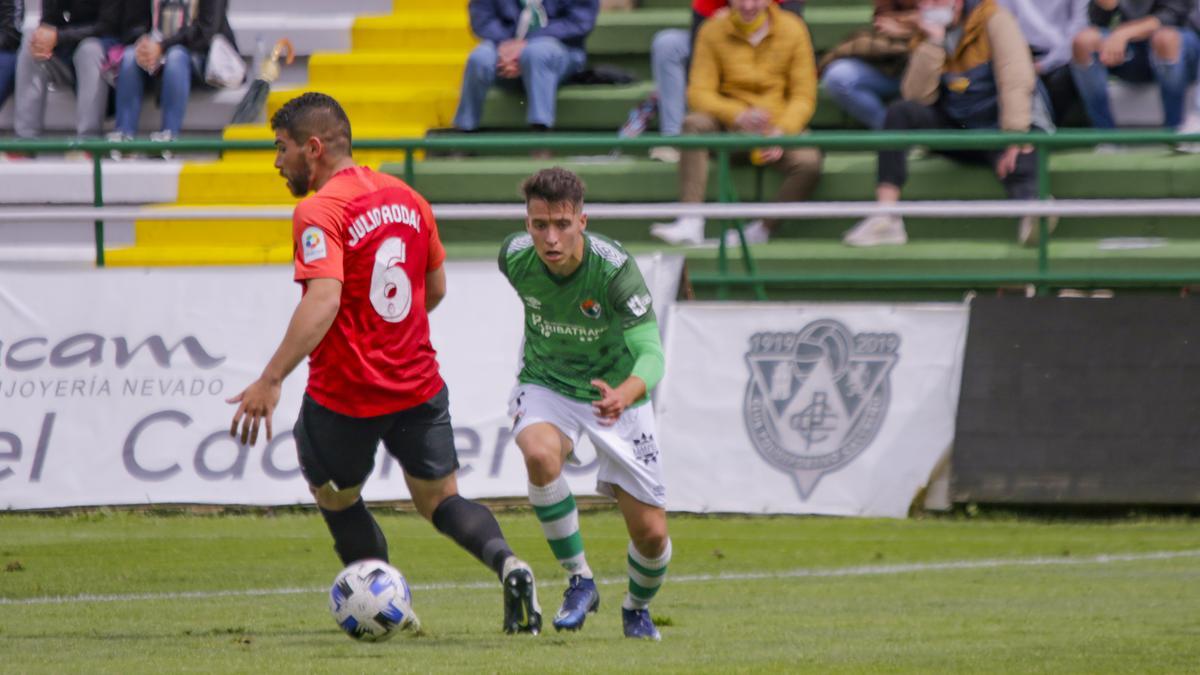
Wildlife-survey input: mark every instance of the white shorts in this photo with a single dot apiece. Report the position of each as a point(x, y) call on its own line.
point(627, 453)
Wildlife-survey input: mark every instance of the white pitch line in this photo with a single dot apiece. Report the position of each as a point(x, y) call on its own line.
point(856, 571)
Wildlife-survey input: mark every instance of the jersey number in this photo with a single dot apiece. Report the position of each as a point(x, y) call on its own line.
point(391, 291)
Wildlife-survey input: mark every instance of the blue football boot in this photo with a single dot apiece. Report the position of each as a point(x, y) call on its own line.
point(580, 599)
point(639, 625)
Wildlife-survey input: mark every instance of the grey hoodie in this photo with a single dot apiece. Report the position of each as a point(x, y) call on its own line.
point(1049, 26)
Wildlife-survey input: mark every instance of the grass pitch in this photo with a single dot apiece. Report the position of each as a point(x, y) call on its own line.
point(129, 593)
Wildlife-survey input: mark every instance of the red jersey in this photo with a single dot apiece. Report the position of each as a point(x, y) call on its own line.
point(377, 236)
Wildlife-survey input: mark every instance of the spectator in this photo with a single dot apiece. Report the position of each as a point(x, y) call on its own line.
point(170, 53)
point(973, 70)
point(65, 50)
point(863, 73)
point(732, 88)
point(669, 55)
point(1149, 43)
point(1049, 26)
point(537, 42)
point(12, 15)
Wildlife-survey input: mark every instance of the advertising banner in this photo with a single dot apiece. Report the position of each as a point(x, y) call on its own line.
point(113, 385)
point(840, 409)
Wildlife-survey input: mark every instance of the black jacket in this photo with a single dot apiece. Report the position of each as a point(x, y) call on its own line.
point(75, 20)
point(12, 15)
point(212, 17)
point(1169, 12)
point(126, 20)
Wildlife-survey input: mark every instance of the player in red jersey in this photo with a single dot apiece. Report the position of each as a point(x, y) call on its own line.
point(369, 262)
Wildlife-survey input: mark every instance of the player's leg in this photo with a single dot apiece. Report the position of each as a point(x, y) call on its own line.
point(337, 454)
point(646, 562)
point(630, 471)
point(541, 417)
point(422, 439)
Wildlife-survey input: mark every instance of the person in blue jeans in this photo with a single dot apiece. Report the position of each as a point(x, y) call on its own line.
point(12, 15)
point(1150, 42)
point(537, 43)
point(862, 87)
point(170, 53)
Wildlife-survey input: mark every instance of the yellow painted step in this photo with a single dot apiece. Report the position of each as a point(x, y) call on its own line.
point(433, 69)
point(213, 233)
point(245, 132)
point(232, 182)
point(376, 106)
point(164, 256)
point(399, 33)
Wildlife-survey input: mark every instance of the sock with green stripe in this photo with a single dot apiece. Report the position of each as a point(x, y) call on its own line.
point(555, 508)
point(646, 576)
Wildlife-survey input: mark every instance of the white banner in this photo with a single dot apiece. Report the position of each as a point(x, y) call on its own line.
point(839, 409)
point(113, 385)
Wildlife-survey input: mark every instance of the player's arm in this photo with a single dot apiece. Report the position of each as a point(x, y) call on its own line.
point(311, 320)
point(648, 366)
point(435, 287)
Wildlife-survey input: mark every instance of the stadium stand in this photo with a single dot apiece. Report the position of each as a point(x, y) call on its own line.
point(398, 75)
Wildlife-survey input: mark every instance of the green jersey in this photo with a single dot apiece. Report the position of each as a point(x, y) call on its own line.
point(575, 325)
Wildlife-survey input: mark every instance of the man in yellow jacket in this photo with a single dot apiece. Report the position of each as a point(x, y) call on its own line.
point(753, 71)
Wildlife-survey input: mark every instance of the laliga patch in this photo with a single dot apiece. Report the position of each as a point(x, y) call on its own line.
point(312, 244)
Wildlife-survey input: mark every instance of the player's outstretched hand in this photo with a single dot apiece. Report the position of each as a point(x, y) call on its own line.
point(256, 403)
point(611, 403)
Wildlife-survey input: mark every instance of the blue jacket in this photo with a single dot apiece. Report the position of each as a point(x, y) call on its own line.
point(570, 20)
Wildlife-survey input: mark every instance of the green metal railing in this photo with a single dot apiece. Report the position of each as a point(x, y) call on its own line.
point(723, 146)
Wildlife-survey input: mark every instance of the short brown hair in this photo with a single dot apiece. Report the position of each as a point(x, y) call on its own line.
point(314, 114)
point(553, 186)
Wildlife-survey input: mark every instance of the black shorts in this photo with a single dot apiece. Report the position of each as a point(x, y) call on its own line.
point(338, 448)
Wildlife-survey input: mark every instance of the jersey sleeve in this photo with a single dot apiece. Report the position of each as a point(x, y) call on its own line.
point(506, 251)
point(316, 241)
point(629, 297)
point(437, 252)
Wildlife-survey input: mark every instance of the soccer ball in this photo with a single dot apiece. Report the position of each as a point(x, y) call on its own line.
point(370, 600)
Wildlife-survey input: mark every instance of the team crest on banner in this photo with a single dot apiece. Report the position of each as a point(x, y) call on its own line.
point(817, 397)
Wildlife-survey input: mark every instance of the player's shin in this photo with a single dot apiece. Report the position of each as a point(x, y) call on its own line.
point(474, 528)
point(356, 535)
point(555, 508)
point(646, 576)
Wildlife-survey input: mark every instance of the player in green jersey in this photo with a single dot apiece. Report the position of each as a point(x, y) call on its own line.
point(592, 354)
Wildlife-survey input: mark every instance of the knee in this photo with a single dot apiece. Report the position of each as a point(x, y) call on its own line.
point(178, 57)
point(840, 77)
point(698, 123)
point(331, 499)
point(542, 54)
point(1085, 43)
point(482, 59)
point(899, 114)
point(1165, 43)
point(541, 462)
point(803, 161)
point(652, 540)
point(89, 54)
point(671, 45)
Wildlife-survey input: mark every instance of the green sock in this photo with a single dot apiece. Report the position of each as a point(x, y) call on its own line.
point(555, 508)
point(646, 576)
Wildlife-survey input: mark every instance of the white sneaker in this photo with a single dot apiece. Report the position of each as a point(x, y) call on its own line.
point(687, 231)
point(756, 233)
point(1191, 126)
point(117, 137)
point(1028, 233)
point(877, 231)
point(665, 154)
point(164, 137)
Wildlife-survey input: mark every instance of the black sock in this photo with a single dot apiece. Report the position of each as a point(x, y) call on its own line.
point(356, 535)
point(474, 527)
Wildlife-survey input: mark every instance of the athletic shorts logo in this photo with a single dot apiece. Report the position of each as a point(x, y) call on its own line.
point(645, 450)
point(816, 398)
point(590, 308)
point(312, 244)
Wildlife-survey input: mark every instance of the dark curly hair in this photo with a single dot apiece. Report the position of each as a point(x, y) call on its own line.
point(554, 185)
point(314, 114)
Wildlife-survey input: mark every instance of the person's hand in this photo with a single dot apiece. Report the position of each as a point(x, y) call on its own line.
point(1112, 50)
point(1008, 161)
point(611, 404)
point(508, 61)
point(753, 120)
point(43, 41)
point(148, 53)
point(770, 155)
point(257, 402)
point(890, 27)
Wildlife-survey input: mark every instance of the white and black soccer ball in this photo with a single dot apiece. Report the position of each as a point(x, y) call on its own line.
point(371, 601)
